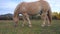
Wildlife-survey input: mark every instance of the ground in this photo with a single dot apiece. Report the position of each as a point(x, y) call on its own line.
point(7, 27)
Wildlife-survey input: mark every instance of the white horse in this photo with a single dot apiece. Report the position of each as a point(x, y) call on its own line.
point(33, 8)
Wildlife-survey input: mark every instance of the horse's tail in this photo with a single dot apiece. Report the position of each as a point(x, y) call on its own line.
point(49, 15)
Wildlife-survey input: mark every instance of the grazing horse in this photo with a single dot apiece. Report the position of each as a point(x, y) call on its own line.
point(33, 8)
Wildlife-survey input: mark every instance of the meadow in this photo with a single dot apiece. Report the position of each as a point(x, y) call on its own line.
point(7, 27)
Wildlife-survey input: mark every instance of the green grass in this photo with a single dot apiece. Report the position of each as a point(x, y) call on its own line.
point(7, 27)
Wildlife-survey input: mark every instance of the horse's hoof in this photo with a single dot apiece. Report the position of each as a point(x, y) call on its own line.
point(15, 25)
point(22, 25)
point(30, 26)
point(48, 25)
point(43, 25)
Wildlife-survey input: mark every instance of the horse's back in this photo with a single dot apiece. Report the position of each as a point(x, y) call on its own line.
point(31, 7)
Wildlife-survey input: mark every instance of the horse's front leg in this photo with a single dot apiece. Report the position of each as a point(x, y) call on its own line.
point(24, 20)
point(27, 17)
point(44, 19)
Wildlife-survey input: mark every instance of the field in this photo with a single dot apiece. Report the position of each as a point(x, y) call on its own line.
point(7, 27)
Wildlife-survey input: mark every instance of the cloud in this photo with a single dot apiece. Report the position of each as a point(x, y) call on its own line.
point(55, 5)
point(7, 6)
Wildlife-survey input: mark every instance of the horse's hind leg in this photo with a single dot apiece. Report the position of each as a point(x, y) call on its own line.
point(48, 22)
point(27, 17)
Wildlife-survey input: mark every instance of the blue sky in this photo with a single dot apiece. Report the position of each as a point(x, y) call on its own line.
point(8, 6)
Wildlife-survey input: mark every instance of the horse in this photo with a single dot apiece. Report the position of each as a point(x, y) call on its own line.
point(33, 8)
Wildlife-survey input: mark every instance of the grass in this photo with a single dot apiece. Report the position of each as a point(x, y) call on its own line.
point(7, 27)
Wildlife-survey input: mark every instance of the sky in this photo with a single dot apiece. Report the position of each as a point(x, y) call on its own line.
point(8, 6)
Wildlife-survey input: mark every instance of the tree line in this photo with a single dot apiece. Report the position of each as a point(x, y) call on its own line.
point(55, 15)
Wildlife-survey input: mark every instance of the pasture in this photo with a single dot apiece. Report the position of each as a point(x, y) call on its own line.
point(7, 27)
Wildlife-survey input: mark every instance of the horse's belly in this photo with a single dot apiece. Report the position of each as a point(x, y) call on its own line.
point(33, 13)
point(35, 10)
